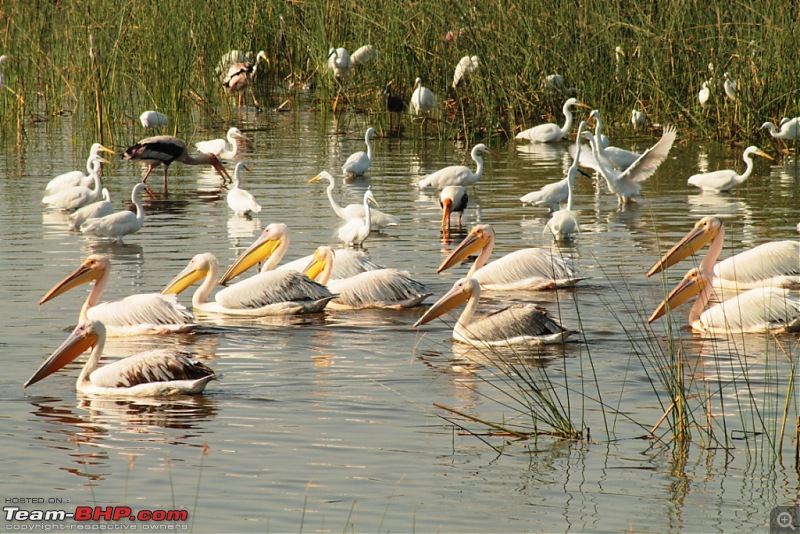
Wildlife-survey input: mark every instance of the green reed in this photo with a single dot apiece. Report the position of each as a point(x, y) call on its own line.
point(107, 62)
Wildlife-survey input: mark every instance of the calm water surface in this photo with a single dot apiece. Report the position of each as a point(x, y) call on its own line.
point(327, 423)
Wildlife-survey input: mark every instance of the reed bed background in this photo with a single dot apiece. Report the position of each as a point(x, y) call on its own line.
point(106, 62)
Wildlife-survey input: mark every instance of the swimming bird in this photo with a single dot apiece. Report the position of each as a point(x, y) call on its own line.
point(220, 147)
point(457, 174)
point(727, 179)
point(153, 119)
point(563, 224)
point(239, 77)
point(355, 231)
point(146, 313)
point(77, 196)
point(358, 163)
point(101, 208)
point(790, 129)
point(518, 324)
point(118, 224)
point(549, 132)
point(240, 201)
point(452, 199)
point(626, 184)
point(382, 288)
point(163, 150)
point(74, 178)
point(378, 219)
point(528, 268)
point(775, 263)
point(154, 373)
point(422, 100)
point(348, 263)
point(466, 67)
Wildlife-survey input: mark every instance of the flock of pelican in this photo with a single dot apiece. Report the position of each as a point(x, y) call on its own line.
point(761, 280)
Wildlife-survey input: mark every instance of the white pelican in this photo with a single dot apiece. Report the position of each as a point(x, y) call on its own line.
point(731, 86)
point(466, 67)
point(153, 119)
point(101, 208)
point(348, 263)
point(338, 61)
point(638, 119)
point(564, 223)
point(776, 263)
point(452, 199)
point(73, 178)
point(726, 179)
point(239, 76)
point(382, 288)
point(625, 184)
point(241, 201)
point(378, 219)
point(457, 174)
point(528, 268)
point(75, 197)
point(518, 324)
point(163, 150)
point(147, 313)
point(220, 147)
point(358, 163)
point(354, 232)
point(153, 373)
point(704, 94)
point(363, 54)
point(549, 132)
point(422, 99)
point(790, 129)
point(118, 224)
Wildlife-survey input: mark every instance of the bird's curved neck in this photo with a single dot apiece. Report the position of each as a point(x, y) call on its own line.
point(713, 253)
point(479, 169)
point(567, 122)
point(202, 293)
point(98, 186)
point(748, 159)
point(465, 319)
point(699, 305)
point(139, 207)
point(92, 363)
point(482, 258)
point(94, 295)
point(367, 222)
point(325, 276)
point(337, 209)
point(276, 257)
point(369, 147)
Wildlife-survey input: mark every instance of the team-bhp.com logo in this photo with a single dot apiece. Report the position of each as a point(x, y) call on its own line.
point(95, 513)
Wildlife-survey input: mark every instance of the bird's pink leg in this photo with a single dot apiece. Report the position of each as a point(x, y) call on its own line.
point(166, 168)
point(149, 170)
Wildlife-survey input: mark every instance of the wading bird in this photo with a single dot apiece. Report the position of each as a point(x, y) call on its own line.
point(564, 223)
point(549, 132)
point(239, 200)
point(339, 61)
point(518, 324)
point(222, 148)
point(382, 288)
point(466, 67)
point(457, 174)
point(422, 100)
point(153, 373)
point(452, 199)
point(617, 158)
point(3, 59)
point(731, 87)
point(528, 268)
point(790, 129)
point(72, 198)
point(355, 231)
point(638, 119)
point(74, 178)
point(378, 219)
point(240, 77)
point(358, 163)
point(153, 119)
point(163, 150)
point(146, 313)
point(727, 179)
point(118, 224)
point(101, 208)
point(363, 55)
point(704, 94)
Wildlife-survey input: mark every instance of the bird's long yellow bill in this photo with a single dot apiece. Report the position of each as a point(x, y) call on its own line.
point(689, 287)
point(83, 275)
point(184, 280)
point(696, 239)
point(449, 301)
point(471, 244)
point(315, 179)
point(107, 149)
point(315, 268)
point(257, 252)
point(764, 154)
point(75, 345)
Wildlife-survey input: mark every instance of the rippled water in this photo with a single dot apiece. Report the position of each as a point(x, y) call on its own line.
point(328, 422)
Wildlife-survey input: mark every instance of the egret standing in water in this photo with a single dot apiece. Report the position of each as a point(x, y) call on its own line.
point(727, 179)
point(240, 201)
point(457, 174)
point(549, 132)
point(358, 163)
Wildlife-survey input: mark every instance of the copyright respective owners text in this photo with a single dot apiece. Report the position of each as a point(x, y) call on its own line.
point(48, 514)
point(783, 519)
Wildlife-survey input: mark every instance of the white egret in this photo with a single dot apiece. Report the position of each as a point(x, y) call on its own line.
point(363, 55)
point(153, 119)
point(154, 373)
point(72, 198)
point(466, 67)
point(73, 178)
point(726, 179)
point(339, 61)
point(3, 59)
point(564, 223)
point(638, 119)
point(790, 129)
point(704, 94)
point(549, 132)
point(355, 231)
point(556, 83)
point(101, 208)
point(222, 148)
point(358, 163)
point(119, 224)
point(422, 100)
point(731, 87)
point(240, 201)
point(457, 174)
point(378, 219)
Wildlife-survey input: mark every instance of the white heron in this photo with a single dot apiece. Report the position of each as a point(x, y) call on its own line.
point(354, 232)
point(457, 174)
point(378, 219)
point(518, 324)
point(72, 198)
point(731, 87)
point(153, 119)
point(358, 163)
point(563, 224)
point(704, 94)
point(239, 200)
point(638, 119)
point(363, 55)
point(423, 102)
point(549, 132)
point(222, 148)
point(118, 224)
point(556, 83)
point(789, 129)
point(466, 67)
point(154, 373)
point(339, 61)
point(727, 179)
point(73, 178)
point(101, 208)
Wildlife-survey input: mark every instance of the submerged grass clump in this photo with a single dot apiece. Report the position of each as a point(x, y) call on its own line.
point(106, 62)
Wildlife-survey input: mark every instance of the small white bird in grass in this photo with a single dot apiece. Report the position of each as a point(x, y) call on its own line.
point(240, 201)
point(220, 147)
point(422, 100)
point(467, 66)
point(339, 61)
point(731, 87)
point(638, 119)
point(153, 119)
point(119, 224)
point(790, 129)
point(549, 132)
point(704, 94)
point(457, 174)
point(101, 208)
point(358, 163)
point(363, 55)
point(556, 83)
point(726, 179)
point(355, 231)
point(73, 178)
